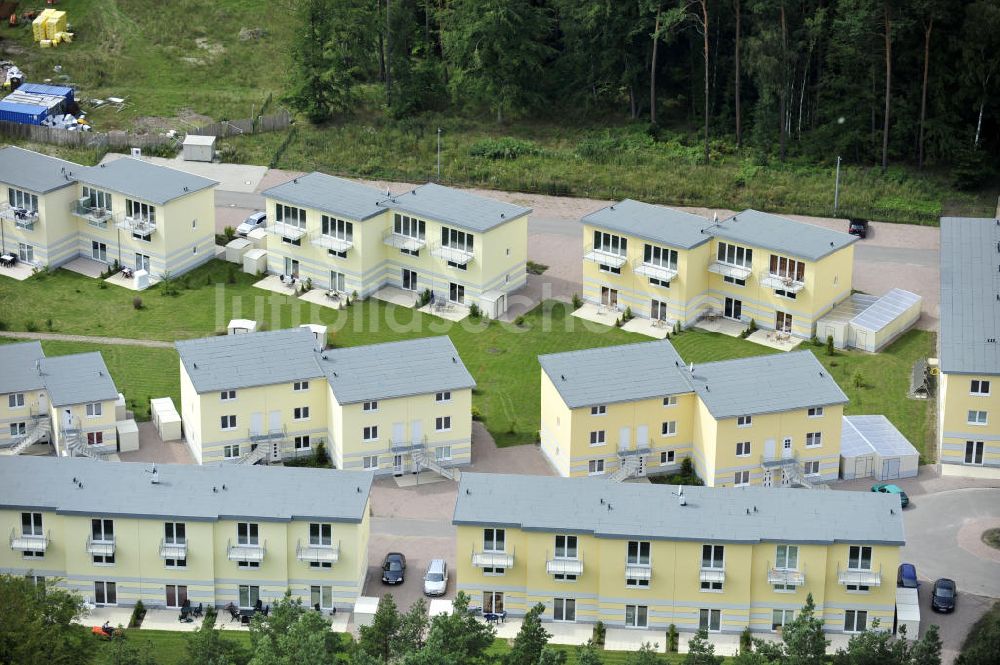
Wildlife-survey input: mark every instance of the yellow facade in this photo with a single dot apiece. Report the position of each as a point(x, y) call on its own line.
point(969, 424)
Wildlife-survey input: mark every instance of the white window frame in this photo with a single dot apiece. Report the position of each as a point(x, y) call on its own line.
point(231, 451)
point(786, 557)
point(369, 462)
point(370, 405)
point(595, 467)
point(974, 452)
point(300, 413)
point(322, 595)
point(780, 618)
point(442, 424)
point(813, 464)
point(18, 429)
point(708, 617)
point(333, 227)
point(734, 255)
point(252, 596)
point(442, 453)
point(227, 395)
point(815, 412)
point(598, 437)
point(743, 448)
point(290, 215)
point(15, 400)
point(599, 410)
point(744, 421)
point(227, 423)
point(979, 387)
point(670, 401)
point(741, 478)
point(977, 417)
point(668, 428)
point(300, 386)
point(667, 457)
point(564, 610)
point(443, 396)
point(302, 442)
point(610, 243)
point(814, 439)
point(95, 410)
point(855, 621)
point(370, 433)
point(637, 616)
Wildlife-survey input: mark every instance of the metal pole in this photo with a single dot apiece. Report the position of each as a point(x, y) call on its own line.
point(836, 188)
point(439, 155)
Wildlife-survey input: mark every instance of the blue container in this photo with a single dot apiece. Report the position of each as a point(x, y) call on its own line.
point(25, 114)
point(44, 89)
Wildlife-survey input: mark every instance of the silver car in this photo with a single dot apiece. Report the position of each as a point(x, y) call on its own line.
point(436, 578)
point(257, 220)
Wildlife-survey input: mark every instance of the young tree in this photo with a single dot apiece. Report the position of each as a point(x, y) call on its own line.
point(664, 29)
point(456, 638)
point(551, 656)
point(207, 646)
point(290, 634)
point(37, 624)
point(701, 20)
point(927, 650)
point(377, 638)
point(646, 655)
point(738, 13)
point(887, 13)
point(928, 11)
point(874, 647)
point(803, 637)
point(701, 651)
point(980, 45)
point(588, 654)
point(125, 652)
point(530, 640)
point(411, 629)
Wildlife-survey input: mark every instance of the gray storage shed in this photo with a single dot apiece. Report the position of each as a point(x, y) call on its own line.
point(871, 447)
point(199, 148)
point(870, 323)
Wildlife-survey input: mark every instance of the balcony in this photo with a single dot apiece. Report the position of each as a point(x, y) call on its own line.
point(405, 446)
point(729, 270)
point(771, 280)
point(97, 217)
point(137, 225)
point(785, 576)
point(22, 217)
point(493, 559)
point(604, 257)
point(273, 434)
point(558, 565)
point(246, 551)
point(638, 571)
point(454, 255)
point(331, 242)
point(173, 550)
point(859, 576)
point(318, 553)
point(711, 574)
point(290, 231)
point(25, 542)
point(102, 547)
point(654, 271)
point(400, 241)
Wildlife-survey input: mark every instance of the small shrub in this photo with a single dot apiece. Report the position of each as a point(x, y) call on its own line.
point(628, 314)
point(137, 303)
point(858, 379)
point(600, 633)
point(746, 640)
point(231, 275)
point(474, 311)
point(424, 299)
point(815, 341)
point(503, 148)
point(677, 327)
point(519, 321)
point(229, 233)
point(829, 345)
point(618, 322)
point(49, 325)
point(138, 612)
point(322, 458)
point(577, 303)
point(101, 284)
point(672, 638)
point(753, 326)
point(536, 268)
point(210, 617)
point(477, 414)
point(31, 326)
point(306, 286)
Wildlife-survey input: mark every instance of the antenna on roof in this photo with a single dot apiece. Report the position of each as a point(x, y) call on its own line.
point(715, 218)
point(692, 367)
point(502, 215)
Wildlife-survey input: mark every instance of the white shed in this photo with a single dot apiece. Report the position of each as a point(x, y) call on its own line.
point(871, 447)
point(494, 303)
point(241, 326)
point(255, 261)
point(166, 420)
point(365, 608)
point(198, 148)
point(908, 612)
point(236, 249)
point(837, 322)
point(888, 318)
point(319, 334)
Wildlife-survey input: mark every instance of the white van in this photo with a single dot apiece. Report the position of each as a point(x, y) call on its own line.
point(436, 578)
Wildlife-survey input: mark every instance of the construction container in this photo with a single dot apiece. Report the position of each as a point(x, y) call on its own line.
point(199, 148)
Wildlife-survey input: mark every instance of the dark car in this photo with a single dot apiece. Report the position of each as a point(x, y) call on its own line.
point(889, 488)
point(907, 576)
point(858, 227)
point(943, 595)
point(393, 568)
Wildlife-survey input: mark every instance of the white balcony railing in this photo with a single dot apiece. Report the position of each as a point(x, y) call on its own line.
point(95, 216)
point(101, 547)
point(23, 542)
point(770, 280)
point(492, 559)
point(655, 271)
point(452, 254)
point(137, 225)
point(564, 566)
point(729, 270)
point(638, 571)
point(318, 553)
point(604, 257)
point(401, 241)
point(786, 576)
point(331, 242)
point(707, 574)
point(859, 576)
point(23, 218)
point(290, 231)
point(173, 549)
point(246, 551)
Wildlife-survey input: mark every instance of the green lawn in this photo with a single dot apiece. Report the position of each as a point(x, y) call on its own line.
point(167, 647)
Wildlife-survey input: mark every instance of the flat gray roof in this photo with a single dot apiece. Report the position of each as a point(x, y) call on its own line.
point(616, 373)
point(455, 207)
point(143, 180)
point(331, 194)
point(780, 234)
point(765, 384)
point(230, 362)
point(394, 369)
point(184, 491)
point(652, 222)
point(886, 309)
point(646, 511)
point(970, 295)
point(863, 435)
point(77, 379)
point(34, 171)
point(18, 367)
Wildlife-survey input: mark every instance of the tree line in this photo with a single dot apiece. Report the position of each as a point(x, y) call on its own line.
point(874, 81)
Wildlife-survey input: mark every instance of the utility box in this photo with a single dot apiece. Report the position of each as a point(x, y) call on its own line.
point(908, 612)
point(365, 608)
point(128, 436)
point(258, 237)
point(198, 148)
point(241, 327)
point(166, 420)
point(255, 262)
point(236, 248)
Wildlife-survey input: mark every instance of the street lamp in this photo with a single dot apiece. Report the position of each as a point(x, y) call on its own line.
point(439, 155)
point(836, 188)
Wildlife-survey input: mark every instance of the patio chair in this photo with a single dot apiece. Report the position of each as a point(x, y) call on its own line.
point(234, 614)
point(258, 606)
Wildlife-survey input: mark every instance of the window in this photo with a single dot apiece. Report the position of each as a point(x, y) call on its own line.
point(597, 438)
point(227, 422)
point(299, 386)
point(442, 453)
point(337, 228)
point(302, 442)
point(744, 421)
point(103, 531)
point(370, 433)
point(788, 269)
point(980, 387)
point(443, 396)
point(636, 616)
point(493, 602)
point(670, 400)
point(660, 256)
point(15, 400)
point(855, 621)
point(37, 580)
point(977, 418)
point(95, 438)
point(666, 457)
point(816, 412)
point(456, 239)
point(140, 211)
point(734, 280)
point(300, 413)
point(563, 609)
point(786, 557)
point(231, 451)
point(599, 410)
point(94, 410)
point(31, 524)
point(369, 406)
point(669, 428)
point(781, 617)
point(25, 252)
point(494, 540)
point(812, 468)
point(611, 269)
point(174, 533)
point(247, 533)
point(637, 554)
point(712, 558)
point(973, 452)
point(290, 215)
point(710, 620)
point(814, 439)
point(105, 593)
point(743, 449)
point(659, 282)
point(565, 547)
point(735, 255)
point(610, 243)
point(98, 199)
point(859, 557)
point(409, 226)
point(595, 467)
point(339, 255)
point(321, 597)
point(442, 424)
point(19, 199)
point(320, 535)
point(177, 595)
point(18, 429)
point(227, 395)
point(249, 594)
point(791, 295)
point(741, 478)
point(369, 462)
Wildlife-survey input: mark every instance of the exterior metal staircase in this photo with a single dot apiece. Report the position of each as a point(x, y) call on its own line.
point(629, 467)
point(422, 460)
point(73, 440)
point(256, 454)
point(39, 430)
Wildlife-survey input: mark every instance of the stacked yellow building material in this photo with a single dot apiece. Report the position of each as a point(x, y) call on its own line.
point(48, 25)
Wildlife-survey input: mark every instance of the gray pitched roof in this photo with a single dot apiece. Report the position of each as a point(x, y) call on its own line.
point(765, 384)
point(231, 362)
point(184, 491)
point(611, 510)
point(781, 234)
point(616, 373)
point(18, 371)
point(33, 171)
point(652, 222)
point(970, 295)
point(394, 369)
point(77, 379)
point(143, 180)
point(328, 193)
point(455, 207)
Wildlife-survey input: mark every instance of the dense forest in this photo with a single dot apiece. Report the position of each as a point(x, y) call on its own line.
point(877, 82)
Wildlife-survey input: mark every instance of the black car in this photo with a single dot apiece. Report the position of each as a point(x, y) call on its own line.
point(858, 227)
point(393, 568)
point(943, 595)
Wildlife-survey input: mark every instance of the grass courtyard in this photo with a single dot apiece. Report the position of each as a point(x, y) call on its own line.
point(501, 356)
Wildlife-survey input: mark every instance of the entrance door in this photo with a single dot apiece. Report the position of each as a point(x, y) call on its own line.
point(397, 463)
point(609, 297)
point(734, 309)
point(786, 479)
point(274, 422)
point(863, 467)
point(256, 423)
point(291, 266)
point(769, 449)
point(409, 279)
point(624, 438)
point(177, 595)
point(141, 262)
point(501, 306)
point(890, 469)
point(642, 436)
point(658, 310)
point(99, 251)
point(417, 430)
point(783, 322)
point(786, 448)
point(456, 293)
point(765, 478)
point(398, 432)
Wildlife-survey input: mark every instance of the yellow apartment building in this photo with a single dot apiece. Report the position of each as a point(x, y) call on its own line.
point(144, 216)
point(117, 533)
point(351, 238)
point(69, 401)
point(968, 409)
point(637, 409)
point(389, 408)
point(718, 559)
point(672, 266)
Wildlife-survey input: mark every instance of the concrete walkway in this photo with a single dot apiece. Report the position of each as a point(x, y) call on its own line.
point(59, 337)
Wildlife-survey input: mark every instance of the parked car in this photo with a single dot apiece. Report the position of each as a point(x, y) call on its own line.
point(858, 227)
point(907, 576)
point(393, 568)
point(943, 595)
point(436, 578)
point(889, 488)
point(257, 220)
